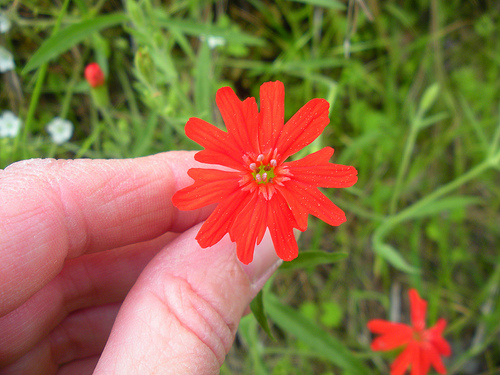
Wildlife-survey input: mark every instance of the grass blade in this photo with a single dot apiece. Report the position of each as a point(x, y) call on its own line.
point(312, 259)
point(70, 36)
point(313, 336)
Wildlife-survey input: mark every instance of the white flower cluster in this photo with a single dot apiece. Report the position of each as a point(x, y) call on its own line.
point(213, 41)
point(60, 130)
point(10, 125)
point(6, 58)
point(4, 24)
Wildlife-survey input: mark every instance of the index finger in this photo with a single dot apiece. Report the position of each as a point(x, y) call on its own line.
point(51, 210)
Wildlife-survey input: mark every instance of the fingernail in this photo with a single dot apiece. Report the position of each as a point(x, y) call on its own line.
point(265, 262)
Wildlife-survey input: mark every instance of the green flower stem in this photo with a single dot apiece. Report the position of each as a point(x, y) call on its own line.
point(443, 190)
point(410, 144)
point(402, 169)
point(32, 107)
point(38, 85)
point(69, 92)
point(495, 144)
point(107, 117)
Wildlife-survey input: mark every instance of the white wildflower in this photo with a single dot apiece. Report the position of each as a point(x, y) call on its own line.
point(4, 24)
point(6, 60)
point(213, 41)
point(10, 125)
point(60, 130)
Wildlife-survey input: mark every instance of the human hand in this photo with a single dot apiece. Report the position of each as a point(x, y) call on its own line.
point(99, 271)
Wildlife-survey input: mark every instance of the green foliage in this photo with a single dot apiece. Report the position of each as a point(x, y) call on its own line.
point(69, 37)
point(413, 89)
point(312, 259)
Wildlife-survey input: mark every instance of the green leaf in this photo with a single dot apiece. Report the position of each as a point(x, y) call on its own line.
point(428, 98)
point(202, 70)
point(247, 330)
point(257, 307)
point(195, 28)
point(391, 255)
point(332, 4)
point(313, 336)
point(312, 259)
point(431, 120)
point(444, 204)
point(332, 314)
point(69, 37)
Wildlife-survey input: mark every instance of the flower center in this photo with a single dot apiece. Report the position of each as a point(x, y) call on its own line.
point(262, 172)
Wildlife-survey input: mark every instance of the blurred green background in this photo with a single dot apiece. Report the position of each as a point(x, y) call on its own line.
point(414, 89)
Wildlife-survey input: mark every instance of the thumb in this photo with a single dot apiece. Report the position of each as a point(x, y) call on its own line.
point(182, 314)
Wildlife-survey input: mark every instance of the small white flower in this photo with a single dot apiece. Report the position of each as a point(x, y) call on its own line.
point(215, 41)
point(60, 130)
point(4, 24)
point(6, 60)
point(10, 125)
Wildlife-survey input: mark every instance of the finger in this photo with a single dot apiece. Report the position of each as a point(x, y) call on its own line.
point(81, 335)
point(81, 367)
point(90, 280)
point(182, 314)
point(51, 210)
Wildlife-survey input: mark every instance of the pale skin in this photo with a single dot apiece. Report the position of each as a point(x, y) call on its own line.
point(99, 273)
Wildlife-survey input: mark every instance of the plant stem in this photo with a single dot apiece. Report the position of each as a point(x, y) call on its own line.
point(410, 143)
point(443, 190)
point(39, 82)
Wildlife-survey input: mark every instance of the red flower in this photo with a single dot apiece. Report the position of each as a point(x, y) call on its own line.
point(423, 346)
point(94, 75)
point(260, 190)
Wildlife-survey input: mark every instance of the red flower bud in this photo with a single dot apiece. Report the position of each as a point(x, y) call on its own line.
point(94, 75)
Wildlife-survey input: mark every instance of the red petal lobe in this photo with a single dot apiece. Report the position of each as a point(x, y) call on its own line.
point(241, 118)
point(221, 219)
point(303, 128)
point(215, 141)
point(210, 186)
point(281, 223)
point(249, 225)
point(272, 114)
point(315, 170)
point(418, 308)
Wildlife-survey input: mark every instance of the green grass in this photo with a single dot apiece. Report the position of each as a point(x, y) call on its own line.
point(415, 94)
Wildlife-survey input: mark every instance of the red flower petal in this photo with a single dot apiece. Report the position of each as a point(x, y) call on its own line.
point(390, 341)
point(240, 118)
point(418, 308)
point(311, 201)
point(437, 329)
point(400, 365)
point(425, 359)
point(315, 170)
point(281, 223)
point(249, 227)
point(436, 362)
point(303, 128)
point(210, 186)
point(436, 339)
point(299, 211)
point(219, 148)
point(416, 360)
point(218, 223)
point(272, 114)
point(384, 326)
